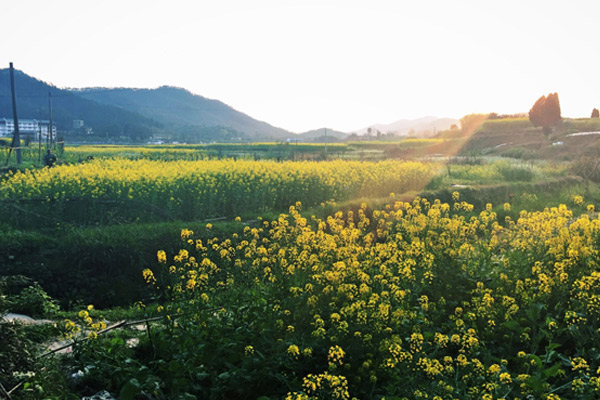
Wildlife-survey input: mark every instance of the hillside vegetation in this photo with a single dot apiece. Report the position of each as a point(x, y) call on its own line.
point(107, 121)
point(187, 116)
point(519, 139)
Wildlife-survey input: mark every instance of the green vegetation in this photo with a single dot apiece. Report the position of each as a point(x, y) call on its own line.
point(358, 328)
point(408, 148)
point(353, 296)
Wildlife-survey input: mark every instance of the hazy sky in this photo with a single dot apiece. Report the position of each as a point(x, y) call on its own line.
point(306, 64)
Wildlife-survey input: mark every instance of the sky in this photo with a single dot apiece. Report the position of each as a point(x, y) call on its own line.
point(307, 64)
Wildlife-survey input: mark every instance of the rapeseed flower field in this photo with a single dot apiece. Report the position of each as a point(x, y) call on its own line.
point(409, 300)
point(190, 190)
point(417, 300)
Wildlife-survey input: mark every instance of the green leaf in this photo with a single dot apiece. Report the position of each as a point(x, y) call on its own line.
point(224, 375)
point(552, 346)
point(130, 390)
point(538, 361)
point(552, 371)
point(535, 383)
point(512, 325)
point(174, 366)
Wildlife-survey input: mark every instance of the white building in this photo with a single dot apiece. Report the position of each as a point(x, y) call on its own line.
point(26, 127)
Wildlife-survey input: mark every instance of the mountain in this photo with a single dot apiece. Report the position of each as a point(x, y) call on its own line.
point(138, 114)
point(322, 135)
point(426, 126)
point(106, 120)
point(182, 111)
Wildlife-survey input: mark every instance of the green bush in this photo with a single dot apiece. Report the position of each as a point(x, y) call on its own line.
point(512, 173)
point(35, 302)
point(20, 294)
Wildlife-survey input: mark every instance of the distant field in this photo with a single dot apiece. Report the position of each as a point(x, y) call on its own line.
point(374, 150)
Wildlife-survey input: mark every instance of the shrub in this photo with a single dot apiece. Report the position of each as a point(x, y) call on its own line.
point(25, 296)
point(588, 167)
point(35, 302)
point(512, 173)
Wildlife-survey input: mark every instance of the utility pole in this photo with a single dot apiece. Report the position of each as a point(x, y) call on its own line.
point(325, 142)
point(39, 143)
point(16, 136)
point(49, 138)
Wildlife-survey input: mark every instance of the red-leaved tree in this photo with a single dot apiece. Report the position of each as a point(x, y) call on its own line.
point(546, 112)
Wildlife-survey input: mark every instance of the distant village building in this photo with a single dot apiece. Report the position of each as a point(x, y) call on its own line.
point(78, 123)
point(26, 127)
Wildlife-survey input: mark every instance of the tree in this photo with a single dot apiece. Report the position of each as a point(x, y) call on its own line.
point(546, 112)
point(595, 113)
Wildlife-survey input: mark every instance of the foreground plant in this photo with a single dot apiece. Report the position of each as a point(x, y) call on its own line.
point(417, 300)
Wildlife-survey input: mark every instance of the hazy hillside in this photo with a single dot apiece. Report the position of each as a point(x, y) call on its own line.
point(182, 111)
point(425, 126)
point(106, 120)
point(320, 135)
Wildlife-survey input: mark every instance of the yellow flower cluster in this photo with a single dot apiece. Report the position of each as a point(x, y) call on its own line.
point(87, 325)
point(334, 385)
point(418, 296)
point(335, 355)
point(293, 350)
